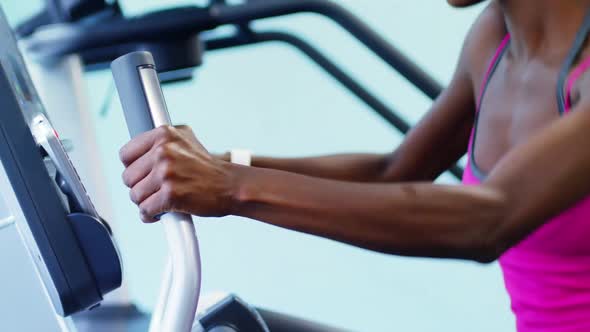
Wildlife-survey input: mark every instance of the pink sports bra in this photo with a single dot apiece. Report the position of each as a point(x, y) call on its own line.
point(547, 275)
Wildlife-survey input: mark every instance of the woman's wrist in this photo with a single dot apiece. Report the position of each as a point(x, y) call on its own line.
point(236, 163)
point(237, 193)
point(225, 156)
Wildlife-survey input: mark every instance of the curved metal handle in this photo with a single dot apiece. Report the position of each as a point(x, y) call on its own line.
point(177, 307)
point(145, 109)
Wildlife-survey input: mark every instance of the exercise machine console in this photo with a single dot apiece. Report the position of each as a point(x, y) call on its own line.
point(70, 245)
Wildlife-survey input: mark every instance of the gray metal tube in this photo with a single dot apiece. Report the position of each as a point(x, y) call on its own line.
point(131, 91)
point(145, 109)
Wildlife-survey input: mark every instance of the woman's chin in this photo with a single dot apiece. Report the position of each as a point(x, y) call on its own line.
point(463, 3)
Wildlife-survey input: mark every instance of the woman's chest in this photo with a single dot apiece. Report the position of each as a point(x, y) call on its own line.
point(515, 105)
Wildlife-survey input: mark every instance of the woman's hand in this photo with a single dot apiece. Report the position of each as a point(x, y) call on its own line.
point(168, 170)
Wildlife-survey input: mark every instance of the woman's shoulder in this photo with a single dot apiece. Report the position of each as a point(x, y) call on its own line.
point(483, 39)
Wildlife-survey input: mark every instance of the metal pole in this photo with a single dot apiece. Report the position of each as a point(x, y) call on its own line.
point(240, 14)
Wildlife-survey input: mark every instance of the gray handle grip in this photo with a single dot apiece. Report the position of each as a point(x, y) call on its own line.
point(144, 107)
point(140, 93)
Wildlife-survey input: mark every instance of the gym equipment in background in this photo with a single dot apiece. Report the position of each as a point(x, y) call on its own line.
point(105, 33)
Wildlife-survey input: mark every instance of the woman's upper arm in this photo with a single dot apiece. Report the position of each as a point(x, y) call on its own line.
point(543, 177)
point(442, 136)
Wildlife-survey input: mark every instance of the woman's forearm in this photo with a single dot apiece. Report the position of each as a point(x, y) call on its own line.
point(418, 219)
point(343, 167)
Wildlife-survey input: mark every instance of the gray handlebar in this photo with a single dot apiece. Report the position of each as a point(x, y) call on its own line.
point(133, 93)
point(145, 109)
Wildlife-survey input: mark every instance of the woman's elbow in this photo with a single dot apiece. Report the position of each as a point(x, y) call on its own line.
point(492, 237)
point(489, 252)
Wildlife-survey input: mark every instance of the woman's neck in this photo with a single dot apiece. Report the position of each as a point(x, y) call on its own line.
point(543, 29)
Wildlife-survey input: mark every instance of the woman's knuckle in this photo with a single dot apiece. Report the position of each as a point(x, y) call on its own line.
point(163, 152)
point(133, 195)
point(126, 178)
point(165, 170)
point(168, 191)
point(167, 133)
point(123, 155)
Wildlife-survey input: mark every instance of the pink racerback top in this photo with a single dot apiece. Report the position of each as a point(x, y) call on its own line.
point(547, 275)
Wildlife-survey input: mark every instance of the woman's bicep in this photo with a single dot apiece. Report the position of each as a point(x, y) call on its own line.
point(439, 139)
point(442, 136)
point(544, 176)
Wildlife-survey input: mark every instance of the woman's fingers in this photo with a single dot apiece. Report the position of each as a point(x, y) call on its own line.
point(138, 170)
point(144, 142)
point(169, 170)
point(144, 189)
point(152, 207)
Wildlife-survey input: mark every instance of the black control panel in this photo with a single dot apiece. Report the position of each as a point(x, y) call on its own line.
point(70, 245)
